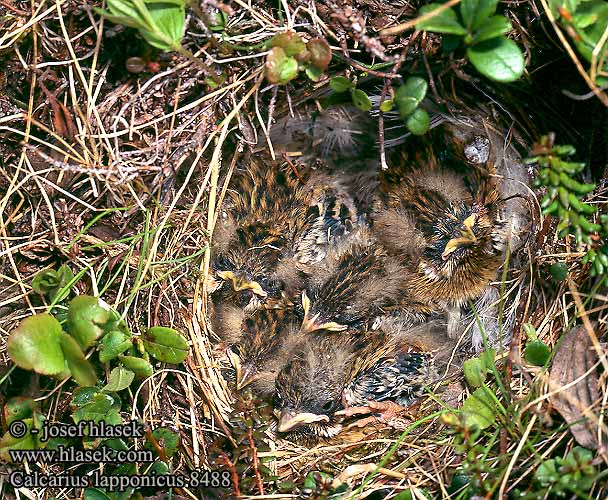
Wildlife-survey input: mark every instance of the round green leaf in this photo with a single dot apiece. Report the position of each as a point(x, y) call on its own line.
point(141, 367)
point(361, 100)
point(166, 344)
point(418, 122)
point(18, 408)
point(34, 345)
point(82, 371)
point(409, 95)
point(313, 73)
point(443, 22)
point(28, 441)
point(100, 408)
point(120, 378)
point(167, 439)
point(387, 105)
point(83, 396)
point(475, 12)
point(279, 67)
point(320, 53)
point(537, 353)
point(499, 59)
point(87, 317)
point(291, 43)
point(112, 344)
point(474, 373)
point(340, 84)
point(559, 271)
point(479, 409)
point(491, 28)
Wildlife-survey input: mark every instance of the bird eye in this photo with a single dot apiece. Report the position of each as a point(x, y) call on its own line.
point(327, 406)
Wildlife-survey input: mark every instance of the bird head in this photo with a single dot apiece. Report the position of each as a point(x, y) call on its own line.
point(246, 372)
point(308, 393)
point(463, 232)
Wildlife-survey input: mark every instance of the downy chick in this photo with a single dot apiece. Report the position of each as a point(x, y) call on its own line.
point(260, 344)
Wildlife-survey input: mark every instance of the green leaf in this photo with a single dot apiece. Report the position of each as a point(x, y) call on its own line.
point(291, 43)
point(50, 282)
point(546, 473)
point(361, 100)
point(313, 73)
point(112, 344)
point(140, 367)
point(18, 408)
point(410, 95)
point(475, 12)
point(279, 67)
point(444, 22)
point(100, 408)
point(87, 317)
point(418, 122)
point(82, 371)
point(479, 409)
point(530, 331)
point(166, 344)
point(474, 372)
point(387, 105)
point(120, 378)
point(28, 441)
point(83, 396)
point(34, 345)
point(96, 494)
point(559, 271)
point(537, 353)
point(499, 59)
point(167, 439)
point(340, 84)
point(169, 19)
point(491, 28)
point(320, 53)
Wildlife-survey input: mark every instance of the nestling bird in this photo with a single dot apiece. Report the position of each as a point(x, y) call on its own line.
point(332, 372)
point(260, 344)
point(442, 214)
point(273, 226)
point(357, 283)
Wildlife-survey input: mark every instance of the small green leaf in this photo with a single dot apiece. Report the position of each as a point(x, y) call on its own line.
point(361, 100)
point(475, 12)
point(320, 53)
point(530, 331)
point(499, 59)
point(387, 105)
point(141, 367)
point(313, 73)
point(474, 373)
point(100, 408)
point(120, 378)
point(479, 409)
point(291, 43)
point(410, 95)
point(28, 441)
point(167, 439)
point(340, 84)
point(18, 408)
point(418, 122)
point(34, 345)
point(87, 317)
point(83, 396)
point(50, 282)
point(279, 67)
point(546, 473)
point(443, 22)
point(559, 271)
point(166, 344)
point(82, 371)
point(537, 353)
point(112, 344)
point(491, 28)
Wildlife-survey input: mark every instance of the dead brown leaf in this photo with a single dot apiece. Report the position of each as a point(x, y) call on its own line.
point(574, 382)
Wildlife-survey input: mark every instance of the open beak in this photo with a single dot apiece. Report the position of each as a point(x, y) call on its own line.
point(240, 283)
point(289, 420)
point(244, 374)
point(310, 324)
point(467, 236)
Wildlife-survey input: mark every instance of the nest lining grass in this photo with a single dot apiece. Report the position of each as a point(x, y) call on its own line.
point(123, 178)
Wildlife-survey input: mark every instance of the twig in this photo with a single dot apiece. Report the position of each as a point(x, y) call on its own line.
point(254, 460)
